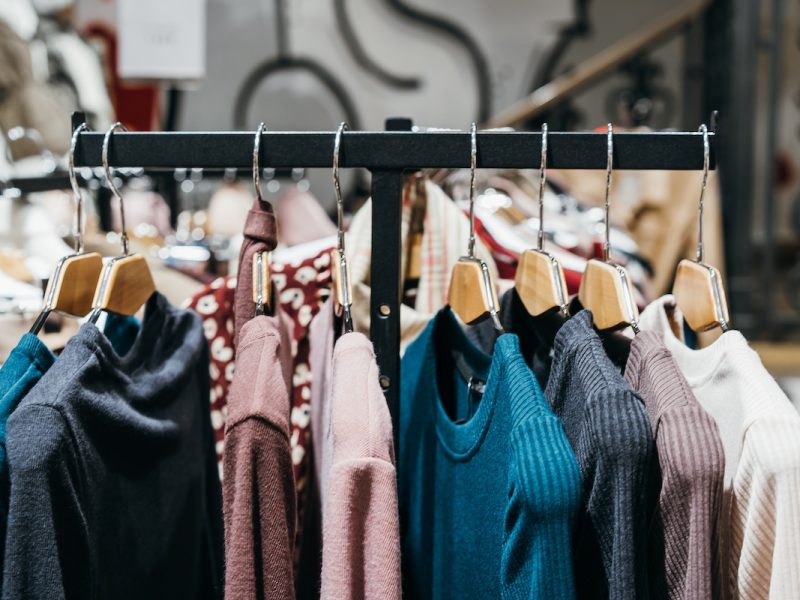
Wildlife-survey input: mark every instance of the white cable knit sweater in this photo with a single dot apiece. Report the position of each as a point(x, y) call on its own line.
point(760, 431)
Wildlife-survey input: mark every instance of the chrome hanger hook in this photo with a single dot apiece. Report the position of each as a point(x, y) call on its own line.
point(257, 159)
point(76, 189)
point(607, 207)
point(706, 162)
point(337, 145)
point(473, 166)
point(110, 179)
point(542, 181)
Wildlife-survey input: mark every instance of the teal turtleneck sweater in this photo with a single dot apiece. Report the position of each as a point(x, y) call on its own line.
point(489, 487)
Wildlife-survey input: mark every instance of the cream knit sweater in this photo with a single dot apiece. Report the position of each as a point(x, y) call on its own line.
point(760, 431)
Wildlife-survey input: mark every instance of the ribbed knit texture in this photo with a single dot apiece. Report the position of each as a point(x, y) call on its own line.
point(114, 485)
point(488, 502)
point(258, 490)
point(684, 536)
point(760, 432)
point(361, 529)
point(609, 431)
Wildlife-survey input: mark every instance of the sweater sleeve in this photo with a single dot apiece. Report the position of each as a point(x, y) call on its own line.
point(765, 512)
point(544, 497)
point(684, 537)
point(259, 511)
point(44, 508)
point(621, 498)
point(360, 523)
point(361, 545)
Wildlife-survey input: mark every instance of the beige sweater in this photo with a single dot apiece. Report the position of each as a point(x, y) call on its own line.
point(760, 432)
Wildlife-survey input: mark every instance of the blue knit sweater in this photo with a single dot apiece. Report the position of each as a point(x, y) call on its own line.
point(489, 487)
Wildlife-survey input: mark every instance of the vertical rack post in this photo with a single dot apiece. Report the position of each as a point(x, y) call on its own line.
point(385, 265)
point(384, 306)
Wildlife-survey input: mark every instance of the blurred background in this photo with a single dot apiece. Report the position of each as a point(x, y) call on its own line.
point(308, 64)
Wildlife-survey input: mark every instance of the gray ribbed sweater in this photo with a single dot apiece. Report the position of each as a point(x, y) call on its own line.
point(684, 536)
point(608, 428)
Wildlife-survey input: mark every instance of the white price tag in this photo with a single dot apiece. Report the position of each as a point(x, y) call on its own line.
point(162, 39)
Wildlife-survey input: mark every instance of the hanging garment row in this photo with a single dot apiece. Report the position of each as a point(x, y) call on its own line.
point(551, 440)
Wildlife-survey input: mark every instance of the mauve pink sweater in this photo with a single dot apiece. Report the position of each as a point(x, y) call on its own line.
point(258, 490)
point(360, 522)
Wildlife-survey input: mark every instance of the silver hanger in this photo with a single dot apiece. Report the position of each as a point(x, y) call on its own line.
point(623, 273)
point(710, 285)
point(542, 181)
point(50, 299)
point(342, 266)
point(76, 189)
point(488, 284)
point(110, 179)
point(95, 314)
point(706, 161)
point(607, 203)
point(260, 259)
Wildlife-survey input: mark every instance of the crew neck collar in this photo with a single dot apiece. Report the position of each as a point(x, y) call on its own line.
point(698, 366)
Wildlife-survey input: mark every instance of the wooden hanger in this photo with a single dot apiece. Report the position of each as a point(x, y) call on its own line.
point(472, 294)
point(262, 287)
point(698, 287)
point(606, 288)
point(74, 280)
point(540, 280)
point(342, 285)
point(126, 283)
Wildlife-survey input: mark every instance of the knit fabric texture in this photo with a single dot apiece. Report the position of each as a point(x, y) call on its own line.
point(760, 432)
point(684, 536)
point(489, 487)
point(26, 364)
point(31, 359)
point(258, 488)
point(114, 490)
point(609, 431)
point(361, 529)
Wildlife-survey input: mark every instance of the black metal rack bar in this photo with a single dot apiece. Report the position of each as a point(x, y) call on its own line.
point(395, 150)
point(387, 155)
point(43, 183)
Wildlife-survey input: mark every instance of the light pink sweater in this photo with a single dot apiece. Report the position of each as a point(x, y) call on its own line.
point(360, 522)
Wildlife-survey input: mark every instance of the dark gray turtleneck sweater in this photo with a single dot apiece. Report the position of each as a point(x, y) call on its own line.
point(608, 428)
point(114, 485)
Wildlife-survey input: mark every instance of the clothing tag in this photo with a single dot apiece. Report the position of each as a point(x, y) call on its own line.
point(462, 366)
point(475, 389)
point(161, 40)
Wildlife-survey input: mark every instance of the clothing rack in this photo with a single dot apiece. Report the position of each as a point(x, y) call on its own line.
point(387, 154)
point(43, 183)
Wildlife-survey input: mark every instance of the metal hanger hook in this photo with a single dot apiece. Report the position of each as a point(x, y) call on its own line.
point(337, 186)
point(76, 189)
point(110, 179)
point(607, 207)
point(542, 181)
point(473, 166)
point(257, 159)
point(706, 161)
